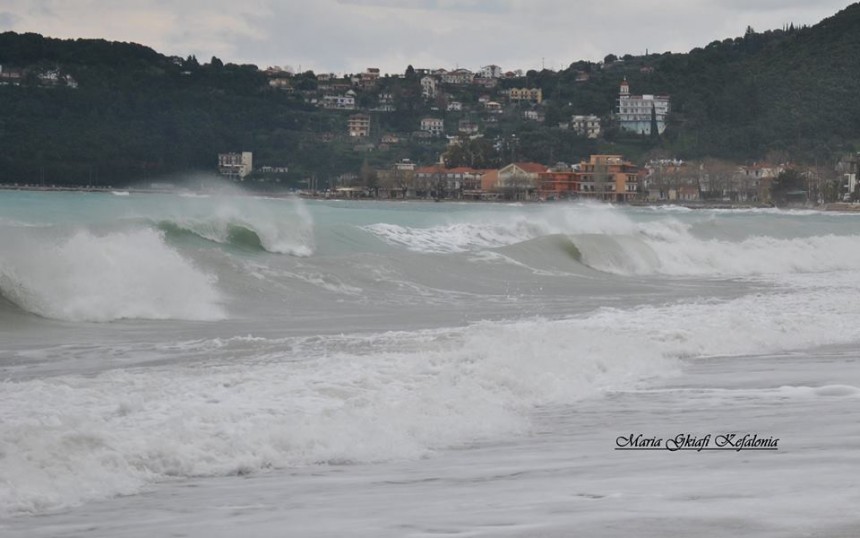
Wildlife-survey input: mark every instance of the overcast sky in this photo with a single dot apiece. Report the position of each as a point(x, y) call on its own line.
point(350, 35)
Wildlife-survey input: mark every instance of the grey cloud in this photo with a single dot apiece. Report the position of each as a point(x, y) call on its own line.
point(350, 35)
point(477, 6)
point(8, 20)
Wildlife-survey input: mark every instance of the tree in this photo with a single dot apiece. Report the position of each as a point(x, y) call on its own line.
point(716, 179)
point(477, 153)
point(655, 128)
point(610, 58)
point(369, 179)
point(789, 186)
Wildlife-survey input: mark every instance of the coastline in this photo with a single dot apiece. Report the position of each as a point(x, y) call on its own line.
point(840, 207)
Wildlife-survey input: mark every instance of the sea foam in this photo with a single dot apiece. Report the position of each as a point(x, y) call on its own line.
point(681, 253)
point(363, 398)
point(90, 277)
point(246, 222)
point(609, 240)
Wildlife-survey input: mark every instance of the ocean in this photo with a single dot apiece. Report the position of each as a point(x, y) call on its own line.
point(228, 365)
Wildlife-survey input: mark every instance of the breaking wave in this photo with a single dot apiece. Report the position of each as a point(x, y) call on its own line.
point(459, 237)
point(682, 254)
point(232, 234)
point(89, 277)
point(362, 398)
point(229, 227)
point(609, 240)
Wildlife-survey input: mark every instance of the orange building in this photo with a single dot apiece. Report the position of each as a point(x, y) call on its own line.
point(489, 180)
point(602, 177)
point(558, 185)
point(609, 178)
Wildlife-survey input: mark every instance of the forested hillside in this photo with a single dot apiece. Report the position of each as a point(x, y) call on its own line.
point(99, 112)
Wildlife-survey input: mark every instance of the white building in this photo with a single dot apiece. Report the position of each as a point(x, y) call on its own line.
point(339, 102)
point(534, 115)
point(455, 106)
point(490, 71)
point(236, 165)
point(458, 76)
point(404, 164)
point(434, 126)
point(588, 126)
point(428, 87)
point(635, 111)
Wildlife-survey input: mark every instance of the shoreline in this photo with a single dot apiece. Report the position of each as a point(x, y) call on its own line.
point(839, 207)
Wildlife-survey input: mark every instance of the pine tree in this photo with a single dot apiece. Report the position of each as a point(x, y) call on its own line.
point(655, 129)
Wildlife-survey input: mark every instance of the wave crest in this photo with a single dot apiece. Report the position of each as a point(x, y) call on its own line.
point(612, 241)
point(686, 255)
point(88, 277)
point(249, 229)
point(460, 237)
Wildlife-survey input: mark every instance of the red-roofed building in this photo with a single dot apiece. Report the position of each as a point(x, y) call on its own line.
point(439, 182)
point(519, 181)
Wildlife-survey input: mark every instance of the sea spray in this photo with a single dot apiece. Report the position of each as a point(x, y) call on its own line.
point(609, 240)
point(687, 255)
point(91, 277)
point(247, 223)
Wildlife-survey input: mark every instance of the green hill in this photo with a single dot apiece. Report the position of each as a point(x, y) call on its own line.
point(120, 112)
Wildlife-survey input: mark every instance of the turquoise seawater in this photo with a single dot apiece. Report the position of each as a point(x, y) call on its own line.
point(217, 365)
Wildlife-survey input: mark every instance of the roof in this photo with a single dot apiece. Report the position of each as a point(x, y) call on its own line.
point(435, 169)
point(533, 168)
point(440, 169)
point(464, 170)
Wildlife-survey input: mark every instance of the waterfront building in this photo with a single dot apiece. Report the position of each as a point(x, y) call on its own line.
point(519, 181)
point(602, 177)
